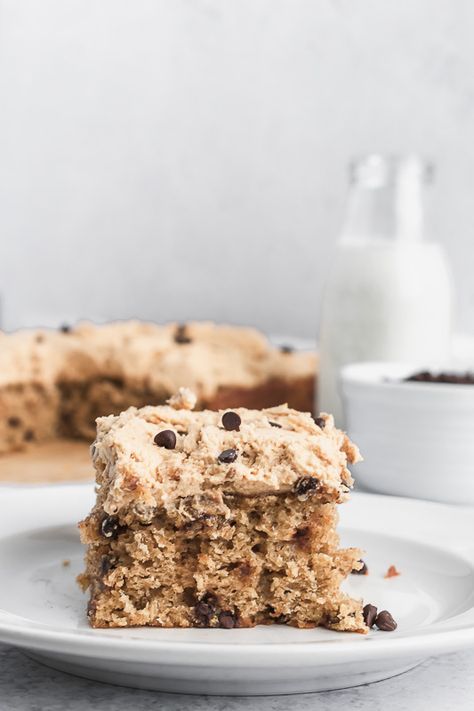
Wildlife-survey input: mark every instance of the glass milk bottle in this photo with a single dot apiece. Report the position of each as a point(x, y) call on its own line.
point(388, 296)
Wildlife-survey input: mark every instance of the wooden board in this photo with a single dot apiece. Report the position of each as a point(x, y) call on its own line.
point(60, 460)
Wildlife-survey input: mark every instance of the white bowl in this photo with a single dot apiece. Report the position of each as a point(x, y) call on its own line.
point(417, 438)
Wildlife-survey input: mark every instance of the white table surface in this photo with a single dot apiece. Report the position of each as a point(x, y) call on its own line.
point(437, 684)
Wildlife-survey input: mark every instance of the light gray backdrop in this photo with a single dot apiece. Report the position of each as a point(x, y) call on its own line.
point(187, 158)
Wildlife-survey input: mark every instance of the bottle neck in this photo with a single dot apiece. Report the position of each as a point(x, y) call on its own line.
point(391, 212)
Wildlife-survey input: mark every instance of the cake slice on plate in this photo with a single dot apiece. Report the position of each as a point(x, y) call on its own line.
point(219, 519)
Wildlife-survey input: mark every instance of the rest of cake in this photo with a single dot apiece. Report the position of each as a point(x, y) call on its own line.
point(219, 519)
point(56, 383)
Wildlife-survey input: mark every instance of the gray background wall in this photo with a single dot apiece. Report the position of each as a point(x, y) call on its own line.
point(187, 158)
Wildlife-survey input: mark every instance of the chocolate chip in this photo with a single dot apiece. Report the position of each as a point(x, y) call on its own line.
point(320, 421)
point(370, 613)
point(166, 439)
point(302, 537)
point(363, 571)
point(205, 608)
point(14, 421)
point(181, 336)
point(28, 435)
point(425, 376)
point(245, 569)
point(227, 456)
point(110, 527)
point(203, 611)
point(385, 622)
point(65, 328)
point(39, 338)
point(107, 563)
point(226, 620)
point(286, 349)
point(275, 424)
point(231, 421)
point(306, 485)
point(210, 599)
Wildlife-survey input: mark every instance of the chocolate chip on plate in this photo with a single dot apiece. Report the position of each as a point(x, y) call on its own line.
point(362, 571)
point(166, 439)
point(385, 622)
point(227, 456)
point(306, 485)
point(110, 527)
point(370, 614)
point(180, 335)
point(231, 421)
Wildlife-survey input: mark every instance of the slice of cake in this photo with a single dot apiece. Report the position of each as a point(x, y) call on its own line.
point(219, 519)
point(56, 383)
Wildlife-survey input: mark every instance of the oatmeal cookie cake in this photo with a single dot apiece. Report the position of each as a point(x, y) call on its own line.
point(55, 383)
point(219, 519)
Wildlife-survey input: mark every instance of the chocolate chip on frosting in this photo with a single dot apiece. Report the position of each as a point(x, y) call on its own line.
point(306, 485)
point(274, 424)
point(65, 328)
point(166, 439)
point(320, 421)
point(286, 349)
point(231, 421)
point(227, 456)
point(181, 336)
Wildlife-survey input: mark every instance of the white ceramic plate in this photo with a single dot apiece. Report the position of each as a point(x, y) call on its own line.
point(42, 609)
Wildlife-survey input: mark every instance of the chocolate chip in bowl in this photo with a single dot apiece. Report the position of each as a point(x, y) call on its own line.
point(449, 378)
point(414, 427)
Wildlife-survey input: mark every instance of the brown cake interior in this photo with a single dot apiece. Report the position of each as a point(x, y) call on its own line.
point(274, 559)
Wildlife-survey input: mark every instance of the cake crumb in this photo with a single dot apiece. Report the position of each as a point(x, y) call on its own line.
point(392, 572)
point(184, 399)
point(66, 563)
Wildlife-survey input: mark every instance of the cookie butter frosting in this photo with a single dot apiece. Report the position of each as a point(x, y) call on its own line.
point(149, 355)
point(271, 451)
